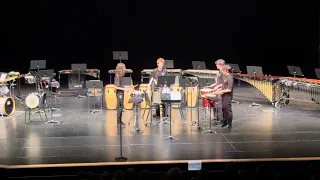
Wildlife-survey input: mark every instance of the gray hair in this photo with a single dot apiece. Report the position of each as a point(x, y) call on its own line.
point(226, 67)
point(220, 61)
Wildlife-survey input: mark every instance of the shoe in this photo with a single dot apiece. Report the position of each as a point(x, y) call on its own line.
point(222, 125)
point(229, 126)
point(156, 115)
point(217, 122)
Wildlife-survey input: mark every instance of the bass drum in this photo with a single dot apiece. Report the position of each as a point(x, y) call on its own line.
point(33, 100)
point(110, 97)
point(7, 106)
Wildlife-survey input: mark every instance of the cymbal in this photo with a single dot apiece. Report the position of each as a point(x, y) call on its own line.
point(9, 79)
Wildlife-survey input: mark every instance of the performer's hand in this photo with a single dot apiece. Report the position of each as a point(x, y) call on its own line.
point(215, 88)
point(218, 92)
point(155, 81)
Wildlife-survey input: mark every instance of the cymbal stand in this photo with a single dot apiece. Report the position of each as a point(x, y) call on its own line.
point(12, 94)
point(210, 120)
point(254, 93)
point(135, 129)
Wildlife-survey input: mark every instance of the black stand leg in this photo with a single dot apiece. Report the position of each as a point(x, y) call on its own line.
point(120, 158)
point(210, 120)
point(170, 135)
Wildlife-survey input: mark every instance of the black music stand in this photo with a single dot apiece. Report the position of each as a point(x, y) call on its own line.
point(317, 70)
point(199, 65)
point(169, 64)
point(165, 82)
point(126, 82)
point(79, 68)
point(120, 55)
point(295, 71)
point(235, 69)
point(254, 70)
point(198, 104)
point(96, 86)
point(37, 64)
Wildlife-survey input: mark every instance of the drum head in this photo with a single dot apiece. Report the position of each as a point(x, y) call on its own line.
point(9, 106)
point(32, 101)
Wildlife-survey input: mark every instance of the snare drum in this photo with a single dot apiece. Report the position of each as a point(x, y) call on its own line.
point(7, 106)
point(110, 97)
point(33, 100)
point(205, 101)
point(144, 87)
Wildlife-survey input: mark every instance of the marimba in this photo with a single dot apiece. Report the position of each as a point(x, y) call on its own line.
point(300, 89)
point(146, 73)
point(201, 73)
point(73, 79)
point(265, 84)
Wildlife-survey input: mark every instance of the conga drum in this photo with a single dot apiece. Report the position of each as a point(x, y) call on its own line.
point(191, 95)
point(176, 88)
point(7, 106)
point(205, 101)
point(127, 96)
point(144, 87)
point(110, 97)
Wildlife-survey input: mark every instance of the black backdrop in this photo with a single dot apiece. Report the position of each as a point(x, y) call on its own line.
point(269, 34)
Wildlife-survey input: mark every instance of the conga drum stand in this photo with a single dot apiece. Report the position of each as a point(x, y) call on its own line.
point(135, 129)
point(210, 120)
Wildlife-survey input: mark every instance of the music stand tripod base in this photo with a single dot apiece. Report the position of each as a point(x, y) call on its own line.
point(53, 122)
point(121, 159)
point(254, 104)
point(170, 137)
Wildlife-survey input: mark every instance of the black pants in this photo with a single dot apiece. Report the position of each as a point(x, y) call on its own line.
point(226, 109)
point(163, 110)
point(120, 97)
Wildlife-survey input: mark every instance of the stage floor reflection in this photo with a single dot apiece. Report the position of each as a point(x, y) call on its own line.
point(258, 132)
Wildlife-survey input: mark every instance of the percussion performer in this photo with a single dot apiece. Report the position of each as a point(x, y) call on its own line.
point(119, 86)
point(217, 85)
point(159, 71)
point(226, 95)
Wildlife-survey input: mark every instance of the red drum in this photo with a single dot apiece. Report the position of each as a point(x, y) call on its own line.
point(205, 101)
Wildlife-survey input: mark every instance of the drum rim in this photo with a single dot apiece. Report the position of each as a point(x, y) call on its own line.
point(13, 106)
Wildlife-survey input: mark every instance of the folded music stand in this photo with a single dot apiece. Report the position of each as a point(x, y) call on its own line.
point(37, 64)
point(169, 64)
point(199, 65)
point(295, 71)
point(235, 68)
point(317, 70)
point(120, 55)
point(254, 70)
point(206, 81)
point(79, 68)
point(96, 86)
